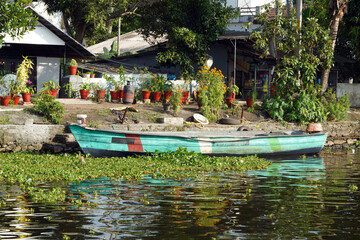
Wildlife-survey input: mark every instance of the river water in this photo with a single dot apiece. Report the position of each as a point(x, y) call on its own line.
point(295, 198)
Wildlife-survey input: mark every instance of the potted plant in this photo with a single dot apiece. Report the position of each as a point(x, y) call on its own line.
point(113, 85)
point(26, 93)
point(122, 82)
point(92, 74)
point(5, 92)
point(51, 88)
point(100, 91)
point(232, 90)
point(156, 84)
point(167, 91)
point(73, 67)
point(175, 100)
point(145, 90)
point(85, 88)
point(22, 78)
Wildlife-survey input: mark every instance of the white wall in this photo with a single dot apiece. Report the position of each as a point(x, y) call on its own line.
point(47, 69)
point(352, 89)
point(41, 35)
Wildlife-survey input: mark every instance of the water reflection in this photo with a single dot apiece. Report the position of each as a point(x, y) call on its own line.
point(295, 198)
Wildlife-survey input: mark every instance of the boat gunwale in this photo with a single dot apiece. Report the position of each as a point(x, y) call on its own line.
point(198, 138)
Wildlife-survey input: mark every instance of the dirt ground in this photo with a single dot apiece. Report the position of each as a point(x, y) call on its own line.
point(108, 113)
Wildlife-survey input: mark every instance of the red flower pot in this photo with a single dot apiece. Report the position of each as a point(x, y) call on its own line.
point(92, 75)
point(16, 100)
point(84, 94)
point(54, 92)
point(186, 94)
point(249, 102)
point(156, 96)
point(229, 101)
point(72, 70)
point(5, 101)
point(26, 97)
point(100, 93)
point(121, 94)
point(167, 95)
point(115, 96)
point(146, 94)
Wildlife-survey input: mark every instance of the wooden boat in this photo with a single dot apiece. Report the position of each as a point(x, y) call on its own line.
point(108, 143)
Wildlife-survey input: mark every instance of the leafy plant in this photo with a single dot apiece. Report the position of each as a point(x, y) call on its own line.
point(156, 83)
point(50, 85)
point(46, 105)
point(73, 63)
point(70, 90)
point(85, 85)
point(175, 100)
point(211, 91)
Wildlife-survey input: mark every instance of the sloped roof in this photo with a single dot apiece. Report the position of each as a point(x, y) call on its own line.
point(129, 42)
point(71, 49)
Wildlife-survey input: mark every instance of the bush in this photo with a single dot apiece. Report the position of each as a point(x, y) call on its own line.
point(308, 106)
point(46, 105)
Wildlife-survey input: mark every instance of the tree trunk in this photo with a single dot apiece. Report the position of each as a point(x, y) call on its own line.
point(333, 33)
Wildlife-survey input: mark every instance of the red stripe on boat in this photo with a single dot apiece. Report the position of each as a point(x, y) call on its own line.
point(137, 146)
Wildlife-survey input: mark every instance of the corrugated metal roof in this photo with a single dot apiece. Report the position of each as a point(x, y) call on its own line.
point(129, 42)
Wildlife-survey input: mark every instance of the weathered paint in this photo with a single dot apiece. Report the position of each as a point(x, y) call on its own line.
point(93, 140)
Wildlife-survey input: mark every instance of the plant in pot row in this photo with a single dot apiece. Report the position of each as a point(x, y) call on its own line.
point(232, 91)
point(50, 88)
point(116, 86)
point(73, 67)
point(12, 87)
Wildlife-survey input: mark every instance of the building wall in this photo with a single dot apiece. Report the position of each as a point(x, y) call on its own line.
point(47, 69)
point(352, 89)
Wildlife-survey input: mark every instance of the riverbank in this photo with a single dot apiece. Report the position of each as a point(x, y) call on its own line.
point(23, 131)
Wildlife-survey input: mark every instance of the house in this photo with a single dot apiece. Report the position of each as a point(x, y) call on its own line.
point(47, 46)
point(230, 53)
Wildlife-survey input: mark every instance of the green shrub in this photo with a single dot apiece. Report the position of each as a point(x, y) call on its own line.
point(46, 105)
point(336, 108)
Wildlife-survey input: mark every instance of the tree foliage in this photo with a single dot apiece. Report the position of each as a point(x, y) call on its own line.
point(299, 54)
point(93, 16)
point(190, 27)
point(15, 19)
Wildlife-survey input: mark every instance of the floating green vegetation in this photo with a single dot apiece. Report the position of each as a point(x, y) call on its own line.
point(31, 169)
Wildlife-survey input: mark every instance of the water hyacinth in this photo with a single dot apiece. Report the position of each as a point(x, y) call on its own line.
point(30, 169)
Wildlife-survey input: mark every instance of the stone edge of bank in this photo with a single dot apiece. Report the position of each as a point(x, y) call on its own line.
point(57, 139)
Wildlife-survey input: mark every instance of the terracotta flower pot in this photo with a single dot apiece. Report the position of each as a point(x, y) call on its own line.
point(156, 96)
point(249, 102)
point(115, 96)
point(167, 95)
point(229, 101)
point(54, 92)
point(100, 93)
point(146, 94)
point(186, 94)
point(26, 97)
point(92, 75)
point(84, 94)
point(16, 100)
point(5, 101)
point(72, 70)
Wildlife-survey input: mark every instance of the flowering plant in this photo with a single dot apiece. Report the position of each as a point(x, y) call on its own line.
point(175, 100)
point(211, 90)
point(27, 88)
point(22, 77)
point(157, 83)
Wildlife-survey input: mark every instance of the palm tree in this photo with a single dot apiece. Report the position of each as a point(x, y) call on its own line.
point(337, 10)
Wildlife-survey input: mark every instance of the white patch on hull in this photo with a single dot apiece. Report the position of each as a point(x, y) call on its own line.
point(205, 146)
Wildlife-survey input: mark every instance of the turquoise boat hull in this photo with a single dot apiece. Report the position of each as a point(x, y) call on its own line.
point(108, 143)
